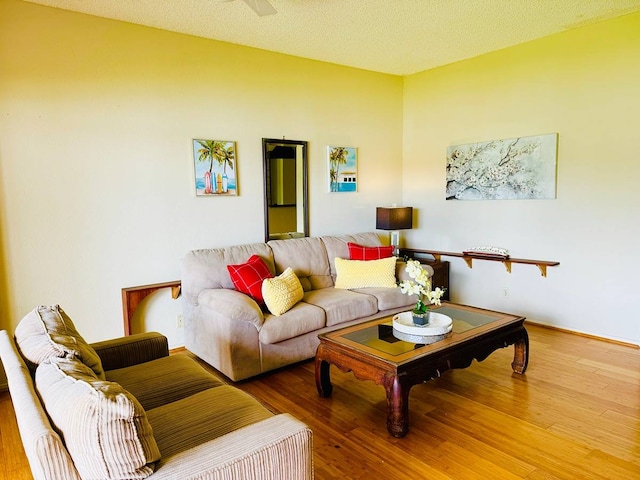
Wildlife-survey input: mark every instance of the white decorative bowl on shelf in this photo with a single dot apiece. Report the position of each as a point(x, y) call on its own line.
point(439, 324)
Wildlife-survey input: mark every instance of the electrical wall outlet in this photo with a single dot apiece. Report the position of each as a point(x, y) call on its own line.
point(179, 321)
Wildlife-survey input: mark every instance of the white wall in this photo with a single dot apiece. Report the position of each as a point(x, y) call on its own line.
point(584, 85)
point(96, 122)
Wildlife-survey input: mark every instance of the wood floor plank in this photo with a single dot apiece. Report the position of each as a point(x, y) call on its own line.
point(575, 414)
point(13, 462)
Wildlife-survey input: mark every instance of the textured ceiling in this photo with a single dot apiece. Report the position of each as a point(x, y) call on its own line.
point(392, 36)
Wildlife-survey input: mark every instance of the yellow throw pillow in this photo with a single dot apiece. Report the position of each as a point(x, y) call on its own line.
point(365, 273)
point(282, 292)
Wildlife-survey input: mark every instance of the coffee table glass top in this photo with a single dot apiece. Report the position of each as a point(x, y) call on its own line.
point(377, 337)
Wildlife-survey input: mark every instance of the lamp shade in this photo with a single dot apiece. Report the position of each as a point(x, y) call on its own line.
point(394, 218)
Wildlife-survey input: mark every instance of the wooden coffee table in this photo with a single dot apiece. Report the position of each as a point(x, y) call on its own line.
point(371, 352)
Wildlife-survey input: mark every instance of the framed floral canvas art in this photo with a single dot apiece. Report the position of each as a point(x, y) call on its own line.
point(215, 167)
point(515, 168)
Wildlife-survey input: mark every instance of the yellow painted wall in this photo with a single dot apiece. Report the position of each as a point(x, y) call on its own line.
point(96, 122)
point(585, 85)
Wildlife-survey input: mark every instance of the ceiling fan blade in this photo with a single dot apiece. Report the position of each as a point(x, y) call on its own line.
point(261, 7)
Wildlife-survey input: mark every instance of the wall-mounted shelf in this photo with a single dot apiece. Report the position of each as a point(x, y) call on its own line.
point(507, 261)
point(132, 296)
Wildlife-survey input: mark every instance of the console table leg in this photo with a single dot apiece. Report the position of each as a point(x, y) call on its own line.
point(397, 406)
point(323, 378)
point(521, 353)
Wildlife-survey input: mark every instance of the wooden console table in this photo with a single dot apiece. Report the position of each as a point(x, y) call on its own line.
point(132, 296)
point(541, 264)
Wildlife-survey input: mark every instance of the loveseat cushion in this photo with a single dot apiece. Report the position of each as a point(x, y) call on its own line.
point(341, 305)
point(164, 380)
point(302, 318)
point(48, 332)
point(189, 422)
point(103, 426)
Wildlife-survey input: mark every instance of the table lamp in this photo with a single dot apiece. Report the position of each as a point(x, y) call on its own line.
point(394, 219)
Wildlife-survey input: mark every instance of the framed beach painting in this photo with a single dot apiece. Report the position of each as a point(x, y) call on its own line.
point(215, 168)
point(342, 163)
point(514, 168)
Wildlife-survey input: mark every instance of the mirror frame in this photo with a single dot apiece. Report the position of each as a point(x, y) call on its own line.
point(266, 175)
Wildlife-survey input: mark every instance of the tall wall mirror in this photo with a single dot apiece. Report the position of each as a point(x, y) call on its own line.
point(286, 211)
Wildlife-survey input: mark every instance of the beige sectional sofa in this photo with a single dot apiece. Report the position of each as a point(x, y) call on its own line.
point(230, 331)
point(124, 409)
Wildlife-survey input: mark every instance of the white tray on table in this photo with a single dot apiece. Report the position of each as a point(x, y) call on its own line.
point(439, 324)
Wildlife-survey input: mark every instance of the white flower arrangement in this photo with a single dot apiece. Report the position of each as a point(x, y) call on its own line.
point(420, 286)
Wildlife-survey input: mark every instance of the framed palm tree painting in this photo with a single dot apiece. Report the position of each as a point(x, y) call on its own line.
point(215, 167)
point(343, 169)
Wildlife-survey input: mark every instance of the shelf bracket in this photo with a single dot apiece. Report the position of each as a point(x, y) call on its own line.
point(507, 265)
point(469, 261)
point(543, 269)
point(133, 296)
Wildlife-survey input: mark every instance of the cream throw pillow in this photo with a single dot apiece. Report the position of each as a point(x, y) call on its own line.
point(103, 426)
point(48, 332)
point(282, 292)
point(365, 273)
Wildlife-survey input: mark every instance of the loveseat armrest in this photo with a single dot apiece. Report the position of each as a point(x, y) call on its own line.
point(126, 351)
point(276, 448)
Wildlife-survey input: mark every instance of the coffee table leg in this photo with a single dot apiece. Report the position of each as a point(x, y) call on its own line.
point(397, 406)
point(521, 353)
point(323, 379)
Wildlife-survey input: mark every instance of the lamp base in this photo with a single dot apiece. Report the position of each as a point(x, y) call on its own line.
point(394, 240)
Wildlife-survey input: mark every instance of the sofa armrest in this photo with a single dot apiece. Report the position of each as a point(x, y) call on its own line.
point(276, 448)
point(45, 450)
point(401, 272)
point(234, 305)
point(132, 350)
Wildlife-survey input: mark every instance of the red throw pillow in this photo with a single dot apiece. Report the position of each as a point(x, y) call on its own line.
point(248, 277)
point(360, 252)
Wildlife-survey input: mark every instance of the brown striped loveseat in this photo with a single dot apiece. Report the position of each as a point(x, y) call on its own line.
point(124, 409)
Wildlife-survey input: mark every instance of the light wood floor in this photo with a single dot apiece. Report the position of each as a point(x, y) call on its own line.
point(575, 414)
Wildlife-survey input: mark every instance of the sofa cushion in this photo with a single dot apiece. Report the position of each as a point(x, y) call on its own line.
point(164, 380)
point(362, 274)
point(389, 298)
point(194, 420)
point(336, 245)
point(103, 426)
point(206, 268)
point(308, 259)
point(361, 252)
point(341, 305)
point(282, 292)
point(48, 332)
point(247, 277)
point(302, 318)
